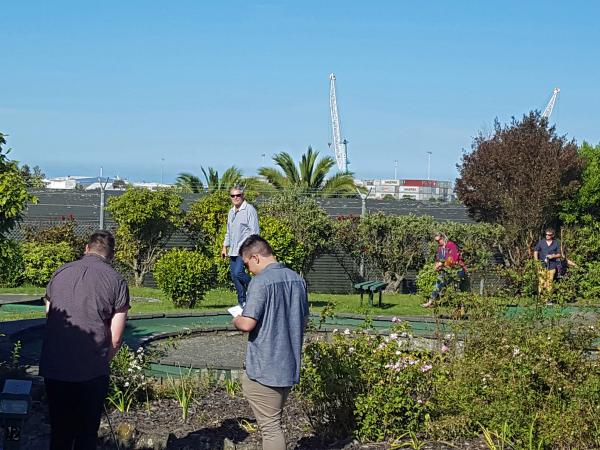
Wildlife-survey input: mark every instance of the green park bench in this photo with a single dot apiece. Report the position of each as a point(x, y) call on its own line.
point(370, 287)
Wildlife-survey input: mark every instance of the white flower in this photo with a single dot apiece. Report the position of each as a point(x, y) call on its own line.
point(335, 330)
point(127, 384)
point(351, 350)
point(426, 368)
point(398, 352)
point(516, 351)
point(394, 336)
point(347, 331)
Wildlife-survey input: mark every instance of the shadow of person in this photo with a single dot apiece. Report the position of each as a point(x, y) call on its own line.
point(212, 438)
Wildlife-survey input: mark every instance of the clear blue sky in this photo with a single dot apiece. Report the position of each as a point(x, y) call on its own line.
point(122, 84)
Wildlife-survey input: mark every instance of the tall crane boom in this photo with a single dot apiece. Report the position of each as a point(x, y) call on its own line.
point(551, 104)
point(340, 152)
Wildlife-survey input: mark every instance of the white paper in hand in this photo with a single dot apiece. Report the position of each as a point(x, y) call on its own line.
point(235, 310)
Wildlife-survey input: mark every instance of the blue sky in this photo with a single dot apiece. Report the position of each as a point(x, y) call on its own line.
point(125, 84)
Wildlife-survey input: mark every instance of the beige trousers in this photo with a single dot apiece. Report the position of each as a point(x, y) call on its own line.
point(545, 278)
point(267, 404)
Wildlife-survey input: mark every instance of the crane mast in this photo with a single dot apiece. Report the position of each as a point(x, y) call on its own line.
point(551, 104)
point(339, 146)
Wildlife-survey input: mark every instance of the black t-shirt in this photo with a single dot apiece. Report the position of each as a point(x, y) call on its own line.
point(84, 296)
point(544, 250)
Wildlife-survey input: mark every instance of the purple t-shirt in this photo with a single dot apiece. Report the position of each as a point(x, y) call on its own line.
point(84, 295)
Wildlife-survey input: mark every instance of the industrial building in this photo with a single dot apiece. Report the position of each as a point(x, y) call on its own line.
point(410, 189)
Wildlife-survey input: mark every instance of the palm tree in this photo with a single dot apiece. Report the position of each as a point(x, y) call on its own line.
point(189, 183)
point(310, 175)
point(230, 178)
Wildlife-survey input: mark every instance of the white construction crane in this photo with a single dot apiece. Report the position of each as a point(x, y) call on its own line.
point(551, 104)
point(341, 155)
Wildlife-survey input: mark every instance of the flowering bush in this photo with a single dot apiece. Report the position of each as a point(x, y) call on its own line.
point(127, 380)
point(527, 373)
point(368, 385)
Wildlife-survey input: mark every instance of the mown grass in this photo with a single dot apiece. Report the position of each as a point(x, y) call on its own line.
point(149, 300)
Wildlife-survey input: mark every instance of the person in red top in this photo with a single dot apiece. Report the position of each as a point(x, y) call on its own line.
point(447, 257)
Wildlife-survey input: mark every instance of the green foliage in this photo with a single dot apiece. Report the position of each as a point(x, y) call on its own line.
point(128, 383)
point(206, 219)
point(184, 391)
point(184, 275)
point(280, 236)
point(310, 177)
point(13, 191)
point(63, 232)
point(426, 279)
point(583, 206)
point(11, 263)
point(309, 223)
point(42, 260)
point(368, 385)
point(520, 371)
point(146, 220)
point(393, 245)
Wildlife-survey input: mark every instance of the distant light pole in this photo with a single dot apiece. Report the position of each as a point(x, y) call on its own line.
point(428, 165)
point(102, 184)
point(162, 167)
point(395, 169)
point(263, 156)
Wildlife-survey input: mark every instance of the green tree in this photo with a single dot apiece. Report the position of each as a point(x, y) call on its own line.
point(33, 179)
point(230, 178)
point(518, 178)
point(584, 205)
point(311, 226)
point(206, 218)
point(13, 191)
point(146, 220)
point(310, 176)
point(189, 183)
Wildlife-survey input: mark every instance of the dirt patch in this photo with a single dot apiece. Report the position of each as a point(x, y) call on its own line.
point(216, 421)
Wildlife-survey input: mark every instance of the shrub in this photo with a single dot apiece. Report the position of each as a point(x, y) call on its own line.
point(61, 232)
point(127, 380)
point(11, 263)
point(527, 373)
point(42, 260)
point(368, 385)
point(184, 275)
point(426, 279)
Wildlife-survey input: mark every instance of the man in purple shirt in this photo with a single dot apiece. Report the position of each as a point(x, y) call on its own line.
point(447, 257)
point(86, 307)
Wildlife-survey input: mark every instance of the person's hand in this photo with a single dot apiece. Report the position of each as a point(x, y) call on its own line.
point(224, 252)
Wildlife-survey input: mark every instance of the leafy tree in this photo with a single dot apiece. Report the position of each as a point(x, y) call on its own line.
point(584, 205)
point(146, 220)
point(189, 183)
point(309, 223)
point(34, 180)
point(518, 178)
point(13, 191)
point(310, 176)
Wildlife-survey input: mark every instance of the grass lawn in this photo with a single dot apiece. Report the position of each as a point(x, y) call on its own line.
point(148, 300)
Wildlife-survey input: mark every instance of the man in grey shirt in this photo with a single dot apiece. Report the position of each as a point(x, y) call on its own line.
point(86, 306)
point(275, 315)
point(242, 221)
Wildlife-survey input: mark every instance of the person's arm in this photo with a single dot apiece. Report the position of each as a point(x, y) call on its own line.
point(253, 221)
point(46, 303)
point(117, 328)
point(243, 323)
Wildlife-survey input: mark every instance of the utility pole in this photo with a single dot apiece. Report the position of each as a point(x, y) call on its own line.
point(395, 169)
point(429, 165)
point(363, 214)
point(102, 189)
